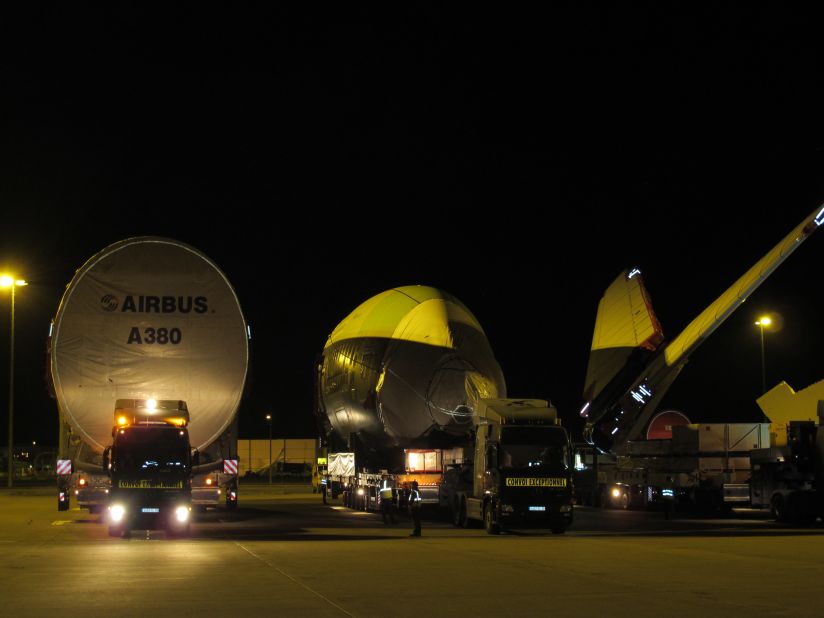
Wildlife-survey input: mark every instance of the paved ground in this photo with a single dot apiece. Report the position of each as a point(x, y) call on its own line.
point(285, 554)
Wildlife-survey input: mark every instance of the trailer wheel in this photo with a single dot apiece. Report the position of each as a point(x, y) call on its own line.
point(490, 524)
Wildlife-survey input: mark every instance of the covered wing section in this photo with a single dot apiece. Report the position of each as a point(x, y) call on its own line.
point(619, 400)
point(406, 369)
point(714, 315)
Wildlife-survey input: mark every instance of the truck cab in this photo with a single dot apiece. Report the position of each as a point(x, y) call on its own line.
point(521, 470)
point(150, 465)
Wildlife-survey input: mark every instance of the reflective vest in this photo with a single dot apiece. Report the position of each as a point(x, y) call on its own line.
point(386, 494)
point(414, 498)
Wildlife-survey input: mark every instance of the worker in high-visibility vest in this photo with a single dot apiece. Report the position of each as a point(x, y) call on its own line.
point(387, 508)
point(415, 508)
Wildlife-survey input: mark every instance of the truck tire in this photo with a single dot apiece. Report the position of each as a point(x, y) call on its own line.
point(558, 529)
point(492, 527)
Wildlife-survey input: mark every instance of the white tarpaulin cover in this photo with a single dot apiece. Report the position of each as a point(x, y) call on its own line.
point(149, 318)
point(341, 464)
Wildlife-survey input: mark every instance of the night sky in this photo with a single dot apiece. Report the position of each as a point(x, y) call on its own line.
point(518, 160)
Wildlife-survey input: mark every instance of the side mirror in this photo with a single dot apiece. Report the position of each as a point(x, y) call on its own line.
point(107, 464)
point(195, 457)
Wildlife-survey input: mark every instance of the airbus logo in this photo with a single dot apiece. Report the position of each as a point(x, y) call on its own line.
point(156, 304)
point(109, 302)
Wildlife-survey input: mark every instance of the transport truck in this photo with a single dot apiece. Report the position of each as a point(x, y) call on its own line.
point(397, 385)
point(149, 464)
point(148, 318)
point(520, 470)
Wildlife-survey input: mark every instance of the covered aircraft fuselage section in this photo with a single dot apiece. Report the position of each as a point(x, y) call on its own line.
point(148, 318)
point(406, 369)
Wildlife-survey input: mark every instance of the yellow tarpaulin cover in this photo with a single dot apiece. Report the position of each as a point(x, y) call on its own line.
point(412, 313)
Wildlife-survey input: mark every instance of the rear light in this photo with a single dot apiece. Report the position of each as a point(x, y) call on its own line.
point(209, 481)
point(81, 482)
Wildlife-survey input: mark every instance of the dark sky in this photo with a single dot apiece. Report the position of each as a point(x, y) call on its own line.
point(518, 160)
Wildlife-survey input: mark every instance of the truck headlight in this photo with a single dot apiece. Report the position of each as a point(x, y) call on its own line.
point(507, 508)
point(565, 508)
point(116, 512)
point(182, 514)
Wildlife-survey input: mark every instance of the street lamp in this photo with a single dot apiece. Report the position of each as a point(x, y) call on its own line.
point(763, 321)
point(269, 420)
point(7, 281)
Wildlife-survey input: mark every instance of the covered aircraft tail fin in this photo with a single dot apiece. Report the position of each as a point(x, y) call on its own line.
point(625, 327)
point(630, 369)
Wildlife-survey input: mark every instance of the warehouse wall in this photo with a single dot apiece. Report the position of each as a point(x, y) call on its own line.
point(254, 454)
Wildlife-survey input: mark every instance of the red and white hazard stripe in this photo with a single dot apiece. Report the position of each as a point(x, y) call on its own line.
point(64, 466)
point(230, 466)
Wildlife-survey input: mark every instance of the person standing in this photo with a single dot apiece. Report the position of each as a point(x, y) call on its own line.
point(387, 508)
point(415, 508)
point(668, 496)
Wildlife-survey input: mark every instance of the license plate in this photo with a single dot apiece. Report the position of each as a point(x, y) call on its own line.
point(537, 508)
point(149, 510)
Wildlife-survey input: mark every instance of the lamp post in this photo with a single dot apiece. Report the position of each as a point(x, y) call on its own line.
point(763, 321)
point(269, 420)
point(7, 281)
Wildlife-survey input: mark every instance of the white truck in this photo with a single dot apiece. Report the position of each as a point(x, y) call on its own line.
point(520, 471)
point(148, 318)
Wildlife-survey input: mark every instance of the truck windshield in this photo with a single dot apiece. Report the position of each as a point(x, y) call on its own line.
point(525, 447)
point(151, 449)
